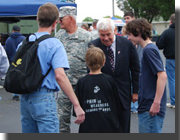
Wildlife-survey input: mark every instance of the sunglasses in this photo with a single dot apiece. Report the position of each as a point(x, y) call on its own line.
point(62, 18)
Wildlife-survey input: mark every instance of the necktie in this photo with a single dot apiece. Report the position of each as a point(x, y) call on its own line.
point(111, 57)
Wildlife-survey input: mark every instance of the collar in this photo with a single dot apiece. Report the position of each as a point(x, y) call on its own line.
point(114, 43)
point(74, 35)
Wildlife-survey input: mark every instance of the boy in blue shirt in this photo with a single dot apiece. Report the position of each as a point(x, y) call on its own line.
point(38, 109)
point(152, 93)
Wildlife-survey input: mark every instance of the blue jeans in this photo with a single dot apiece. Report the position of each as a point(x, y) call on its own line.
point(150, 124)
point(39, 112)
point(170, 70)
point(134, 106)
point(15, 94)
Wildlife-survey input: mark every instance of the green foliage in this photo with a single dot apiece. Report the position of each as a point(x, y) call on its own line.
point(88, 19)
point(107, 16)
point(167, 7)
point(149, 9)
point(118, 17)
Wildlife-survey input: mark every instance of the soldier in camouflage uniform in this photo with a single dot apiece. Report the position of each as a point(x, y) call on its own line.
point(75, 41)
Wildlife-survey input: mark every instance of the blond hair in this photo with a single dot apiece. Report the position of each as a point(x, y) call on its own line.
point(123, 31)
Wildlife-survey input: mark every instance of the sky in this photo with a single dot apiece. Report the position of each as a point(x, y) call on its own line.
point(96, 9)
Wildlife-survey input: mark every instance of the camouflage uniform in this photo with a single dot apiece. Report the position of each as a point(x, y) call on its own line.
point(94, 32)
point(76, 46)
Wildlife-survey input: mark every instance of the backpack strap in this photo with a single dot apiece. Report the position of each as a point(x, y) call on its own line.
point(43, 37)
point(46, 36)
point(48, 71)
point(25, 40)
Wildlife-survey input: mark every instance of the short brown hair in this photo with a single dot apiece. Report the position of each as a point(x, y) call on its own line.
point(86, 26)
point(172, 18)
point(129, 13)
point(47, 14)
point(94, 58)
point(139, 26)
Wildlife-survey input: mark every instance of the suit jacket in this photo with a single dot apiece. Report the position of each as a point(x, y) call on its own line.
point(126, 68)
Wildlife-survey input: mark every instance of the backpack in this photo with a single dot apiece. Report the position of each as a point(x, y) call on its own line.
point(24, 74)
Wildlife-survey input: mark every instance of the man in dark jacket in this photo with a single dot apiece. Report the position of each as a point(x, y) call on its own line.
point(167, 42)
point(10, 46)
point(121, 58)
point(12, 42)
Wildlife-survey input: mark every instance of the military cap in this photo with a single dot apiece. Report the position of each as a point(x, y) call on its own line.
point(67, 10)
point(95, 20)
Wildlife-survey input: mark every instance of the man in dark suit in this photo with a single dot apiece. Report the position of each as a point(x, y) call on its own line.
point(125, 62)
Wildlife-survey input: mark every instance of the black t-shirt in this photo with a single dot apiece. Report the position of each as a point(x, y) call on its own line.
point(99, 99)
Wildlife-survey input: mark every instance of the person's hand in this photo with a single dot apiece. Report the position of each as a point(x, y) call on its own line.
point(134, 97)
point(80, 115)
point(155, 108)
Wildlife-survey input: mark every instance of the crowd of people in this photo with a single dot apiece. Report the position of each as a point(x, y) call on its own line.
point(98, 76)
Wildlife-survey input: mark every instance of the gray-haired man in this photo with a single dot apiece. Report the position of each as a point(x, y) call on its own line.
point(75, 41)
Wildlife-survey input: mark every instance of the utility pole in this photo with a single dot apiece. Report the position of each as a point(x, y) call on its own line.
point(113, 7)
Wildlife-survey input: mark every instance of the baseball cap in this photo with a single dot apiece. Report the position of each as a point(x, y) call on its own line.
point(16, 28)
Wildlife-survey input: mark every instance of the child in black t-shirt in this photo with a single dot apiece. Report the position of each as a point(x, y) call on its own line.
point(98, 97)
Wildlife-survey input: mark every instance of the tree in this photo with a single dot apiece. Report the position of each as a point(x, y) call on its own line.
point(88, 19)
point(167, 7)
point(118, 17)
point(149, 9)
point(107, 17)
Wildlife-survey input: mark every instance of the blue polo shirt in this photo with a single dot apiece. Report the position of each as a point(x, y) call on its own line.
point(51, 52)
point(151, 64)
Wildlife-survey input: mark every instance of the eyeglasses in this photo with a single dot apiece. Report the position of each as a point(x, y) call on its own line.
point(62, 18)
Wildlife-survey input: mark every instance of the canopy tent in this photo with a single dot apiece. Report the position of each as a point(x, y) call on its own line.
point(118, 22)
point(15, 10)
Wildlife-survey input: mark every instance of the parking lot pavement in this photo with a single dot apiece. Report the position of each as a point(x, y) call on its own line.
point(10, 117)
